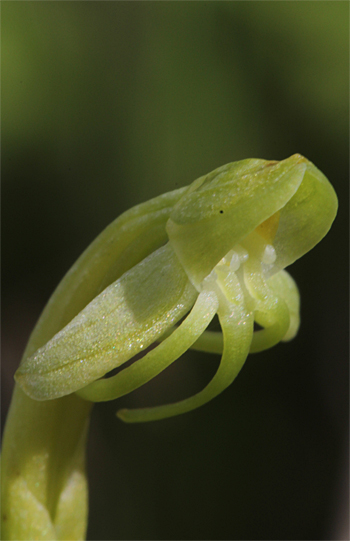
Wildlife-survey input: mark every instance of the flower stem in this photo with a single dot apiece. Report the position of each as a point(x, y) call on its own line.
point(44, 486)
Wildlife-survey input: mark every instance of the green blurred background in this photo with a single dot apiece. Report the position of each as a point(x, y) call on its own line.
point(107, 104)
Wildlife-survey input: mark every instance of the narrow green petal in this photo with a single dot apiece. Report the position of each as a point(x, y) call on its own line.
point(125, 318)
point(210, 342)
point(237, 326)
point(159, 358)
point(225, 206)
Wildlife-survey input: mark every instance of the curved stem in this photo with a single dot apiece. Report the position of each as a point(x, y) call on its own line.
point(44, 487)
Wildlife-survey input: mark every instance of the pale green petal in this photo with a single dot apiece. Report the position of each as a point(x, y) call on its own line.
point(124, 243)
point(237, 326)
point(225, 206)
point(306, 218)
point(124, 319)
point(159, 358)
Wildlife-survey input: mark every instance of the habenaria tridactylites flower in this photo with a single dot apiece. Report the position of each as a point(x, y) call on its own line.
point(219, 247)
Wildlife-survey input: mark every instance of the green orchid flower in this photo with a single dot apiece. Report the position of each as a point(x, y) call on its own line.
point(156, 276)
point(229, 237)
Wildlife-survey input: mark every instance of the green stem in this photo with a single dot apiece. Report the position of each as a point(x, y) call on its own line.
point(44, 486)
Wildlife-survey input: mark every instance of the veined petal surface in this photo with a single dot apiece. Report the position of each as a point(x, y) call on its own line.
point(124, 243)
point(124, 319)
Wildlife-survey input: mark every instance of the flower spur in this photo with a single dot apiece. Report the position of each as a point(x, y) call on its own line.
point(216, 247)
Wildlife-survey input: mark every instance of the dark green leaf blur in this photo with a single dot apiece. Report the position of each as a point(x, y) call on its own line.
point(108, 104)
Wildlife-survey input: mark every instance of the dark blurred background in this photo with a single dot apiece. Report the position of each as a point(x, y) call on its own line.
point(107, 104)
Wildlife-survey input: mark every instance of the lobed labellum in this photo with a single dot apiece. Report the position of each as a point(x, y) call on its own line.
point(220, 247)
